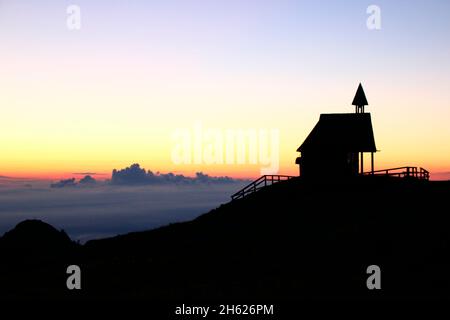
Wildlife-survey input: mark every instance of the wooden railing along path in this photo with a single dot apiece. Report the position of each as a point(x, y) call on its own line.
point(402, 172)
point(267, 180)
point(258, 184)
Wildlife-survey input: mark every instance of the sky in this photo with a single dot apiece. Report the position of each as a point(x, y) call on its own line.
point(139, 78)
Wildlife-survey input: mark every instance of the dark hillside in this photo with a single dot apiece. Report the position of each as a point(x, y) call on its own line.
point(293, 240)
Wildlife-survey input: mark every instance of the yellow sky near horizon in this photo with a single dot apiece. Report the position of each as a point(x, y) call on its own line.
point(57, 129)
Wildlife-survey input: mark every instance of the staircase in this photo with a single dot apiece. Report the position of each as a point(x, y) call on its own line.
point(258, 184)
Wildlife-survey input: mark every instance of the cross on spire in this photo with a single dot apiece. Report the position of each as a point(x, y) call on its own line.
point(360, 100)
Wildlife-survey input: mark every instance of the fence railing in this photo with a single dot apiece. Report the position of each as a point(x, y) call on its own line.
point(266, 180)
point(258, 184)
point(402, 172)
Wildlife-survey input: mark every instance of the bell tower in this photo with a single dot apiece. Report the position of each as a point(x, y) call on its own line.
point(360, 100)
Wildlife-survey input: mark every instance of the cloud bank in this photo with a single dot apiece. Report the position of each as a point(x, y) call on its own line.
point(135, 175)
point(134, 199)
point(64, 183)
point(107, 210)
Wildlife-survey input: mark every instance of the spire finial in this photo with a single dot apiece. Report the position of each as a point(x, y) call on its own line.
point(360, 100)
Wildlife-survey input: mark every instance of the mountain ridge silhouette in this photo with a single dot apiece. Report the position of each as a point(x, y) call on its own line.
point(294, 240)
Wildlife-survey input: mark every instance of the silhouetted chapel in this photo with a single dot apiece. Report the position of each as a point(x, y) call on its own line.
point(336, 145)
